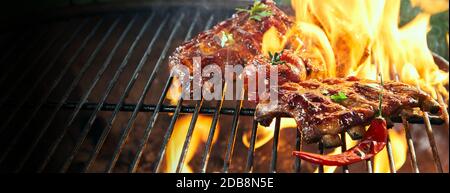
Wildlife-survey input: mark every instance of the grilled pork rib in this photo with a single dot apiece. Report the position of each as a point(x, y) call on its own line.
point(246, 41)
point(320, 116)
point(308, 101)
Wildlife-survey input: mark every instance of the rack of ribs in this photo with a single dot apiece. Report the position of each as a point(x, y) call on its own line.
point(247, 36)
point(303, 92)
point(321, 116)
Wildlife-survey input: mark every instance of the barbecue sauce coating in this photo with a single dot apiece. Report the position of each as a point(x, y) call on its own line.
point(310, 103)
point(247, 34)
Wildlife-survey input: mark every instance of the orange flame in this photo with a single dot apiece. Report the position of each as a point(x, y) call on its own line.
point(349, 143)
point(265, 134)
point(399, 151)
point(363, 38)
point(174, 92)
point(199, 136)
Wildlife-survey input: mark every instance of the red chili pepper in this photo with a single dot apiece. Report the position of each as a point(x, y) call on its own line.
point(373, 142)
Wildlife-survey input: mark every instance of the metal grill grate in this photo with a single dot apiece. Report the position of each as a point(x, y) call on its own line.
point(114, 65)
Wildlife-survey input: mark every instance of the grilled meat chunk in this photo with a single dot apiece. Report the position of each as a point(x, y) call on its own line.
point(292, 67)
point(243, 36)
point(323, 109)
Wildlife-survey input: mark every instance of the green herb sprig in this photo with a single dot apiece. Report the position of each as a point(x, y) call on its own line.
point(257, 11)
point(339, 97)
point(275, 58)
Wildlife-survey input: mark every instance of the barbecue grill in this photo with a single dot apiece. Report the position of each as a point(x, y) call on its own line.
point(86, 91)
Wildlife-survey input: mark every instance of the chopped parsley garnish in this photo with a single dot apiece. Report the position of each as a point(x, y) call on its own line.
point(275, 58)
point(226, 38)
point(339, 97)
point(257, 11)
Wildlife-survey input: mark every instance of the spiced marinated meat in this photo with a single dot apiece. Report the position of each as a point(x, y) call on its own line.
point(233, 41)
point(323, 109)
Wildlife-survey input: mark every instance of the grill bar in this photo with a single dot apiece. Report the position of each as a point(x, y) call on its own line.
point(390, 155)
point(125, 132)
point(369, 166)
point(321, 151)
point(212, 130)
point(276, 135)
point(143, 142)
point(52, 87)
point(39, 136)
point(298, 147)
point(405, 122)
point(429, 129)
point(149, 128)
point(74, 83)
point(232, 137)
point(167, 135)
point(434, 120)
point(126, 92)
point(251, 149)
point(411, 150)
point(105, 65)
point(343, 149)
point(111, 85)
point(190, 131)
point(175, 115)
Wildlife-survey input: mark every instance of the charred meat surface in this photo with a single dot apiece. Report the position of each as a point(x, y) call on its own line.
point(290, 67)
point(323, 109)
point(233, 41)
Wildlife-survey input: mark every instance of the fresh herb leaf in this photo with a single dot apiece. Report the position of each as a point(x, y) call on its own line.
point(257, 11)
point(275, 58)
point(339, 97)
point(226, 38)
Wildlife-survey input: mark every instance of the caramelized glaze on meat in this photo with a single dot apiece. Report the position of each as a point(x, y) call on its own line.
point(247, 34)
point(319, 117)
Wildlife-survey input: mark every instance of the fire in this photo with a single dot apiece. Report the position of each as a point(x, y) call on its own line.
point(199, 136)
point(174, 92)
point(399, 152)
point(363, 38)
point(349, 143)
point(272, 40)
point(265, 134)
